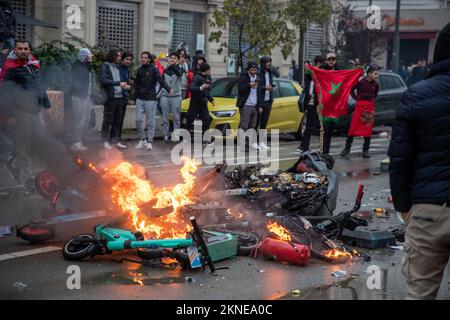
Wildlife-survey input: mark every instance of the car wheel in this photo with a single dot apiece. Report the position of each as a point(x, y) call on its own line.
point(301, 129)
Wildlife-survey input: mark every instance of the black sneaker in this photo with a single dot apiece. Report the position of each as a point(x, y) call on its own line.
point(345, 152)
point(365, 155)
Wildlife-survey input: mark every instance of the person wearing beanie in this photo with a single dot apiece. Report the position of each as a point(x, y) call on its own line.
point(200, 96)
point(81, 91)
point(364, 93)
point(247, 102)
point(420, 174)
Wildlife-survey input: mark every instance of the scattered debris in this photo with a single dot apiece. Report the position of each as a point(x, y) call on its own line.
point(262, 271)
point(397, 247)
point(390, 200)
point(6, 231)
point(339, 273)
point(384, 134)
point(296, 292)
point(380, 213)
point(21, 286)
point(384, 165)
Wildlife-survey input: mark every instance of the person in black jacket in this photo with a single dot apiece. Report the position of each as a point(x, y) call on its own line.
point(247, 102)
point(24, 90)
point(265, 95)
point(420, 174)
point(125, 75)
point(328, 128)
point(114, 86)
point(200, 96)
point(146, 78)
point(81, 92)
point(8, 25)
point(312, 118)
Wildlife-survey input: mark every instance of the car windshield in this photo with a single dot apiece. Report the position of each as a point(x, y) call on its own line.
point(224, 88)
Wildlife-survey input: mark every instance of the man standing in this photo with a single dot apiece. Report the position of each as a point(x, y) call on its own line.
point(146, 104)
point(125, 75)
point(311, 114)
point(81, 91)
point(114, 87)
point(247, 103)
point(420, 174)
point(172, 104)
point(196, 64)
point(265, 95)
point(200, 96)
point(23, 87)
point(328, 127)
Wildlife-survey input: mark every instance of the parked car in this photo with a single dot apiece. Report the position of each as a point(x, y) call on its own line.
point(225, 115)
point(392, 87)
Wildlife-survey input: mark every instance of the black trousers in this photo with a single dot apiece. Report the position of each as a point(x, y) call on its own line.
point(198, 109)
point(328, 128)
point(112, 118)
point(312, 120)
point(264, 116)
point(124, 110)
point(366, 145)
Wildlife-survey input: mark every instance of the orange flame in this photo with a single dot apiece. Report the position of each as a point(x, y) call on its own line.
point(130, 192)
point(336, 254)
point(280, 231)
point(236, 215)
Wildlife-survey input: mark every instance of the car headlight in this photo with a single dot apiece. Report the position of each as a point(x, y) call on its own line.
point(224, 114)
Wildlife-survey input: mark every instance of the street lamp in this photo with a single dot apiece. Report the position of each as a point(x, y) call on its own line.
point(396, 48)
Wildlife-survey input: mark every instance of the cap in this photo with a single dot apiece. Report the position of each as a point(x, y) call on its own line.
point(330, 55)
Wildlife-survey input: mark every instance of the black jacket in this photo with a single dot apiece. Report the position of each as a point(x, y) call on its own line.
point(80, 81)
point(244, 90)
point(146, 78)
point(262, 84)
point(420, 146)
point(107, 80)
point(198, 96)
point(26, 89)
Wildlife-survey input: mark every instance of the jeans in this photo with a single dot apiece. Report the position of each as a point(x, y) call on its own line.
point(199, 108)
point(171, 105)
point(328, 128)
point(249, 118)
point(81, 114)
point(312, 120)
point(264, 116)
point(124, 110)
point(148, 108)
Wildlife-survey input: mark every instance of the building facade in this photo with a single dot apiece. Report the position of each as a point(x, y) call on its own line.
point(158, 26)
point(420, 23)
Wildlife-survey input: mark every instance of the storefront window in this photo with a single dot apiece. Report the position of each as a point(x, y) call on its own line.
point(187, 29)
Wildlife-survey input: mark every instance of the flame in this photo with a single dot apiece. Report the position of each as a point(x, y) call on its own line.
point(336, 254)
point(130, 192)
point(236, 215)
point(279, 230)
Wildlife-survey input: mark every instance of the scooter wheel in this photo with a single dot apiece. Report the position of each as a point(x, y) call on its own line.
point(75, 250)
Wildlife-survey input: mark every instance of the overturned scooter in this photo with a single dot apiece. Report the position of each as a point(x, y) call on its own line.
point(107, 239)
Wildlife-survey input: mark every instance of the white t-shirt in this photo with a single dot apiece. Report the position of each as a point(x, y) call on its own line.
point(267, 97)
point(252, 98)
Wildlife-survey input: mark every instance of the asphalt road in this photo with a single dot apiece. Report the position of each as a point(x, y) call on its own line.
point(40, 272)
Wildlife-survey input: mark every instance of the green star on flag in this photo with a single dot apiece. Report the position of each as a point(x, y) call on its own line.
point(335, 88)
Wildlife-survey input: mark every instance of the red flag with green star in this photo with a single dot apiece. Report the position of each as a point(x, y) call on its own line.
point(333, 89)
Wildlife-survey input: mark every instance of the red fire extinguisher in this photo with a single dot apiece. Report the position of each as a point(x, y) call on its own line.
point(284, 251)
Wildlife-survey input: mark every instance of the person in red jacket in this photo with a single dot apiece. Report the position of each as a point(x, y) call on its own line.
point(365, 92)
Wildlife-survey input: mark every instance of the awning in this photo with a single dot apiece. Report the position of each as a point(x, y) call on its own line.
point(27, 20)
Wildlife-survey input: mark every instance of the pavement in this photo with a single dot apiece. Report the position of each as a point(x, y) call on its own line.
point(40, 272)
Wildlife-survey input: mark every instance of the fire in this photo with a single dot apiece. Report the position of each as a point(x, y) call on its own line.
point(279, 230)
point(130, 192)
point(336, 254)
point(236, 215)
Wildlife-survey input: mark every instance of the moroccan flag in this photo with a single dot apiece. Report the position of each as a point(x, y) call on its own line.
point(333, 88)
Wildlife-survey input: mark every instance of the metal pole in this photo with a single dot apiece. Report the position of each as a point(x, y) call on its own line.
point(396, 48)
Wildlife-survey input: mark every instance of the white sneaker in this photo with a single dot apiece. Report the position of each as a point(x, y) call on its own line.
point(107, 146)
point(255, 146)
point(141, 145)
point(78, 147)
point(149, 146)
point(263, 147)
point(120, 145)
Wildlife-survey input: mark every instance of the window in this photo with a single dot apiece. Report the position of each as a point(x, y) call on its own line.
point(23, 7)
point(287, 89)
point(118, 25)
point(226, 88)
point(184, 26)
point(390, 82)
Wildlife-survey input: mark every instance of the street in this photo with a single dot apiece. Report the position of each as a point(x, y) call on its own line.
point(40, 272)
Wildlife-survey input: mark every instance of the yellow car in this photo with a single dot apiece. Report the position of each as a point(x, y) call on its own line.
point(225, 115)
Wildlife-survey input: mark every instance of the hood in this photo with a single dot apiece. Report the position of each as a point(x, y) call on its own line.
point(13, 61)
point(83, 54)
point(442, 49)
point(264, 60)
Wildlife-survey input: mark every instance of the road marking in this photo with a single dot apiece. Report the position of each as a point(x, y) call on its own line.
point(21, 254)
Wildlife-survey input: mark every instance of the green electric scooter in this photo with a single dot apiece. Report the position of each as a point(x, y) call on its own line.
point(107, 239)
